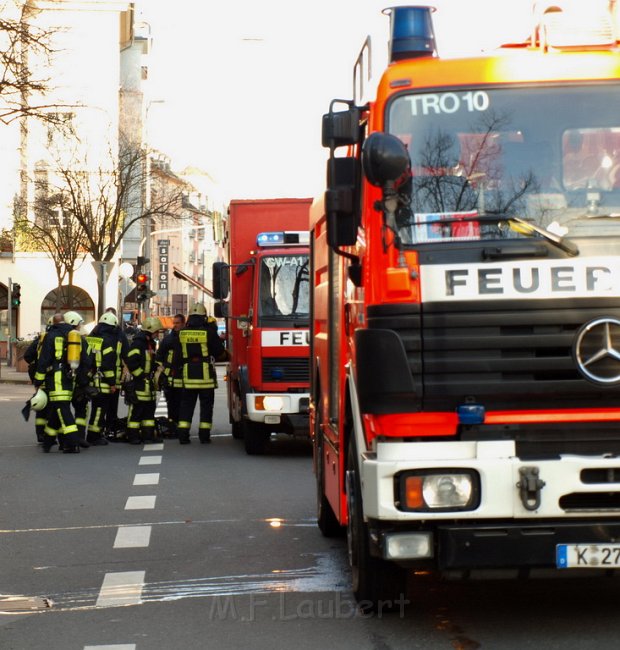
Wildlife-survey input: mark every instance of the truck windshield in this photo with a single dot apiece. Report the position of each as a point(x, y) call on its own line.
point(548, 155)
point(284, 288)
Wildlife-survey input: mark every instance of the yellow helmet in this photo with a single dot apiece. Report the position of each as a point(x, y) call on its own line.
point(39, 400)
point(109, 319)
point(198, 308)
point(73, 318)
point(152, 324)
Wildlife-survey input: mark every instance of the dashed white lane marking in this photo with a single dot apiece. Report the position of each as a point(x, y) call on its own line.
point(154, 446)
point(133, 537)
point(150, 460)
point(121, 588)
point(122, 646)
point(146, 479)
point(140, 503)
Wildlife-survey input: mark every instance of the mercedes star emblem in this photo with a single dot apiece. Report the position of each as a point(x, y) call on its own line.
point(597, 351)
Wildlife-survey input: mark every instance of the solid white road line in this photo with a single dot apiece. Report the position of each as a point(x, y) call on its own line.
point(154, 446)
point(122, 646)
point(140, 503)
point(133, 537)
point(121, 588)
point(150, 460)
point(146, 479)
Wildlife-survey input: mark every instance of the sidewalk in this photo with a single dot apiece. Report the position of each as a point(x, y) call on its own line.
point(8, 375)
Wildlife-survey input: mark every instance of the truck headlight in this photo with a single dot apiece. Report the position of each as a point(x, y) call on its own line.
point(269, 403)
point(438, 489)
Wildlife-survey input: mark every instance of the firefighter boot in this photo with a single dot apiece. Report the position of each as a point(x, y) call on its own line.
point(48, 442)
point(204, 433)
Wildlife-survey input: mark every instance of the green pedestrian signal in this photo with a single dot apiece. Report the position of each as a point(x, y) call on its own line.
point(16, 295)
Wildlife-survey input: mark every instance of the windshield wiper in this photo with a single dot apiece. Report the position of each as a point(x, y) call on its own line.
point(518, 225)
point(521, 226)
point(527, 228)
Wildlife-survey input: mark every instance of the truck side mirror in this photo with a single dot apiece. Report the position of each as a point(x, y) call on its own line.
point(341, 201)
point(341, 128)
point(221, 280)
point(384, 159)
point(220, 309)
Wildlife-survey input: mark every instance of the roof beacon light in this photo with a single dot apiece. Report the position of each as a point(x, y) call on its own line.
point(282, 238)
point(411, 32)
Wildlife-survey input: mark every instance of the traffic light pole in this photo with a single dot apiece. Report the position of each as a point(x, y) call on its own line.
point(9, 321)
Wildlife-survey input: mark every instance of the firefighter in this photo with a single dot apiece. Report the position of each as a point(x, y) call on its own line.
point(105, 348)
point(59, 360)
point(112, 424)
point(141, 364)
point(31, 355)
point(170, 379)
point(198, 346)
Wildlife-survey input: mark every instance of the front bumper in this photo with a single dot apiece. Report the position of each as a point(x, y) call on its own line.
point(498, 468)
point(294, 411)
point(501, 532)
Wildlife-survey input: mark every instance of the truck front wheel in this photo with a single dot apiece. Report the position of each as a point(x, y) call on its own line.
point(255, 437)
point(237, 430)
point(378, 585)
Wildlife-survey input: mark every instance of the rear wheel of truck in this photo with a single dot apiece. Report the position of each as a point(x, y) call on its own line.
point(255, 438)
point(379, 586)
point(326, 519)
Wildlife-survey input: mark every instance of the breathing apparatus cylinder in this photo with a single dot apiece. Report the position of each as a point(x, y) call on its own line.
point(74, 349)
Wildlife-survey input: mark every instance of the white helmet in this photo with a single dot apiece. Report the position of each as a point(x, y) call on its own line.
point(152, 324)
point(198, 308)
point(39, 400)
point(73, 318)
point(109, 319)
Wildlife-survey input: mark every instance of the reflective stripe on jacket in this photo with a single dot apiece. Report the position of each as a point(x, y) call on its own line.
point(197, 369)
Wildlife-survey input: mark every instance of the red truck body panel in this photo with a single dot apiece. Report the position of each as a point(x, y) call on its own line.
point(248, 218)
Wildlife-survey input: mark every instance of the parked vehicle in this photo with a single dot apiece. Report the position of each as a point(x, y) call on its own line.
point(465, 332)
point(267, 318)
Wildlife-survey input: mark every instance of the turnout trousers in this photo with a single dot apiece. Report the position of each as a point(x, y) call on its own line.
point(61, 420)
point(206, 397)
point(99, 411)
point(173, 403)
point(141, 421)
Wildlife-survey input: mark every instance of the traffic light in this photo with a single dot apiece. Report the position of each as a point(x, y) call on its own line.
point(16, 295)
point(142, 287)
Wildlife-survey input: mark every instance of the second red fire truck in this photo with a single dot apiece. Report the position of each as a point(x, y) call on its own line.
point(267, 318)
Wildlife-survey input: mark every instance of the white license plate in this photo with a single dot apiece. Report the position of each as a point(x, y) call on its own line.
point(587, 556)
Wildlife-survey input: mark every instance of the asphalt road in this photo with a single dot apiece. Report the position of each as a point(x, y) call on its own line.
point(201, 546)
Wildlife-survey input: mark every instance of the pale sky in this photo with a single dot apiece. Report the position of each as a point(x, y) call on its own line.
point(244, 83)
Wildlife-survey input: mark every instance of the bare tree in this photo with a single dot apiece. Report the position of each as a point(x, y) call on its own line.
point(99, 204)
point(56, 232)
point(21, 42)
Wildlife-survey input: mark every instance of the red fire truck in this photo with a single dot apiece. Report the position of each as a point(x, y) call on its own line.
point(267, 318)
point(465, 332)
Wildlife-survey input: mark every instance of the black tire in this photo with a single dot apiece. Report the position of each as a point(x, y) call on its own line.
point(326, 519)
point(255, 438)
point(379, 586)
point(237, 430)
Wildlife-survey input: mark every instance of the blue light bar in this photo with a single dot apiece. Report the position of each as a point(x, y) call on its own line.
point(282, 238)
point(470, 413)
point(270, 238)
